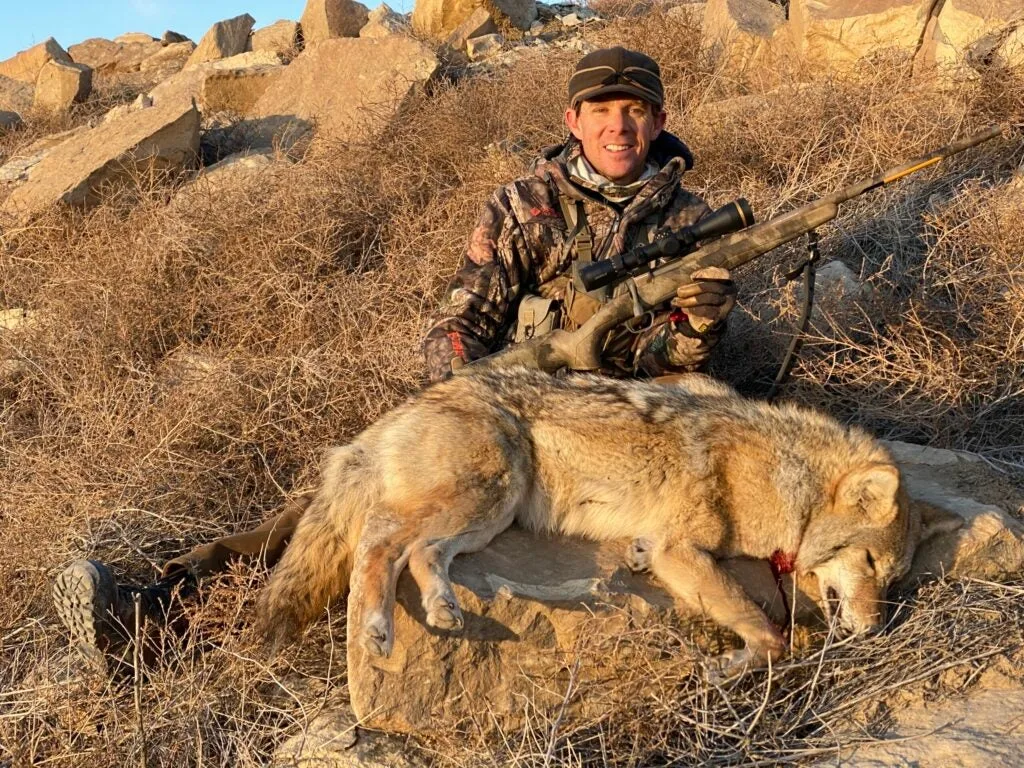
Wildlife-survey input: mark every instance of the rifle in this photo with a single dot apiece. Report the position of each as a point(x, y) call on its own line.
point(580, 350)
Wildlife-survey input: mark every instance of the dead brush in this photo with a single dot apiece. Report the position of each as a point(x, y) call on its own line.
point(189, 362)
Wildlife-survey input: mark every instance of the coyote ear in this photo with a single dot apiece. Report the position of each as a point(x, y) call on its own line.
point(935, 520)
point(872, 490)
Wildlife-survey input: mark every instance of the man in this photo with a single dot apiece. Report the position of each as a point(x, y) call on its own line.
point(613, 184)
point(610, 187)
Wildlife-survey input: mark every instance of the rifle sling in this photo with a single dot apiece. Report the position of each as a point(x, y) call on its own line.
point(807, 269)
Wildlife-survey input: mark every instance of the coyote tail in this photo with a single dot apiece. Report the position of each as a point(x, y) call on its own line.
point(317, 562)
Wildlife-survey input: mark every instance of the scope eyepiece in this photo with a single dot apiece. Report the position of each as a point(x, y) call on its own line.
point(731, 217)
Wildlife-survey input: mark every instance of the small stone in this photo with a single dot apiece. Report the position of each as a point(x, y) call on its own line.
point(483, 46)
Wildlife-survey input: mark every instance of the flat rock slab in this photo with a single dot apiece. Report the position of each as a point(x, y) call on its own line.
point(982, 730)
point(533, 605)
point(161, 138)
point(350, 87)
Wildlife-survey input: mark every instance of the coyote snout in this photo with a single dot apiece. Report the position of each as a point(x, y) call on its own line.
point(693, 472)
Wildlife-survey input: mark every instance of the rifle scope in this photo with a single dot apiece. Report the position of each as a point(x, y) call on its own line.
point(729, 218)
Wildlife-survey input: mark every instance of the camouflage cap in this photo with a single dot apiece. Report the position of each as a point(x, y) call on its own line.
point(616, 70)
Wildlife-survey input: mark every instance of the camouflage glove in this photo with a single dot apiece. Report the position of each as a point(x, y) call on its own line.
point(708, 300)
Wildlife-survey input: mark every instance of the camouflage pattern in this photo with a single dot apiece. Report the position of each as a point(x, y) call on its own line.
point(521, 245)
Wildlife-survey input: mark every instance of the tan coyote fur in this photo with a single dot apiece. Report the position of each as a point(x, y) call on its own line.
point(691, 472)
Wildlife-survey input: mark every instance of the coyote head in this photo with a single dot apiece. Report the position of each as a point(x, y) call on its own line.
point(862, 543)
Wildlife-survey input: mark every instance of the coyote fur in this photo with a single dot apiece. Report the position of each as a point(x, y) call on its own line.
point(690, 472)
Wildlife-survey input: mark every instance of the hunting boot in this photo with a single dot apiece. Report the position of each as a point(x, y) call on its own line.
point(99, 613)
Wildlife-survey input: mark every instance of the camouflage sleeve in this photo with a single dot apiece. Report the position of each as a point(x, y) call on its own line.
point(672, 346)
point(475, 309)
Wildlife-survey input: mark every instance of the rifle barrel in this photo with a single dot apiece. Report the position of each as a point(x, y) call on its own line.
point(918, 163)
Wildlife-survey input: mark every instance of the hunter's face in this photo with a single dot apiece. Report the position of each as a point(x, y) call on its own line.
point(616, 133)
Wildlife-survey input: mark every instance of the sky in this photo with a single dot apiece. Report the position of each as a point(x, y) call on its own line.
point(23, 23)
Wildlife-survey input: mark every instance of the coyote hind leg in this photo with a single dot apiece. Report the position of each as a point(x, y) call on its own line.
point(377, 566)
point(429, 567)
point(429, 563)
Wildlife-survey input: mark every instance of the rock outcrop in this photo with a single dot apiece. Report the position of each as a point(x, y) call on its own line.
point(160, 138)
point(533, 604)
point(327, 19)
point(225, 38)
point(60, 85)
point(349, 87)
point(26, 65)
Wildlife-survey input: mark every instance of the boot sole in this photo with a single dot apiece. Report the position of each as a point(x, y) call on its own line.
point(78, 596)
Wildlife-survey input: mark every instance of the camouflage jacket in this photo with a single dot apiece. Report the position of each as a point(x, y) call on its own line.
point(521, 245)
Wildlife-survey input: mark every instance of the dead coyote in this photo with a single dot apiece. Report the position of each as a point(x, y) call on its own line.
point(691, 472)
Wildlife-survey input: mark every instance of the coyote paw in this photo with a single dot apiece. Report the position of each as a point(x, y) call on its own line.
point(443, 613)
point(639, 554)
point(731, 665)
point(377, 636)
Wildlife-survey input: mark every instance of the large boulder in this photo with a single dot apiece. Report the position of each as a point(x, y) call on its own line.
point(830, 32)
point(533, 605)
point(743, 33)
point(161, 138)
point(965, 33)
point(114, 56)
point(519, 13)
point(187, 85)
point(169, 60)
point(326, 19)
point(225, 38)
point(438, 19)
point(350, 87)
point(237, 89)
point(60, 85)
point(25, 66)
point(477, 24)
point(282, 37)
point(18, 168)
point(15, 95)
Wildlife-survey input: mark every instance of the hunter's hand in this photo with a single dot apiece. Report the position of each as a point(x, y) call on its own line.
point(708, 299)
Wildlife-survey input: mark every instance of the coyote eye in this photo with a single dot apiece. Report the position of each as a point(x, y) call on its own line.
point(871, 560)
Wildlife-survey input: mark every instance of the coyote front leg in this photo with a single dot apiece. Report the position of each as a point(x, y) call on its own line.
point(693, 575)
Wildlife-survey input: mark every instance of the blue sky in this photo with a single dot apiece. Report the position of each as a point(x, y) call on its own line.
point(23, 23)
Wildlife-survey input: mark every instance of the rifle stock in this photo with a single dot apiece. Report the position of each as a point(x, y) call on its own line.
point(580, 350)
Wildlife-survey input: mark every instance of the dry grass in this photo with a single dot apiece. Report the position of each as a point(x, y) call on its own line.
point(188, 363)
